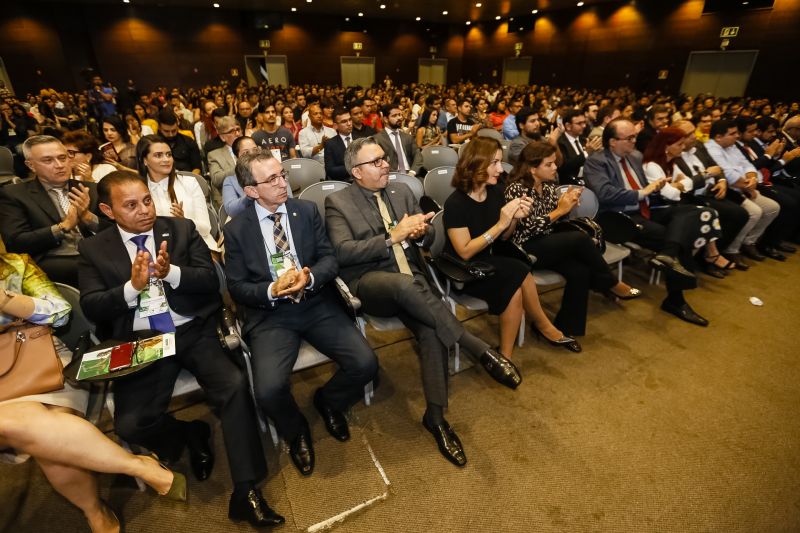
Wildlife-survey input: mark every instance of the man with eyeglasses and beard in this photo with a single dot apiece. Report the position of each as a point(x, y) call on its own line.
point(376, 229)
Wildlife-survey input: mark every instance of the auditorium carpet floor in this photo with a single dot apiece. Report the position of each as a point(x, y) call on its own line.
point(657, 426)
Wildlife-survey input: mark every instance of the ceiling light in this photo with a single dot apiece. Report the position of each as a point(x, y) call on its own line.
point(126, 1)
point(478, 4)
point(383, 6)
point(360, 14)
point(497, 17)
point(215, 4)
point(468, 23)
point(580, 4)
point(347, 19)
point(444, 12)
point(294, 9)
point(535, 11)
point(418, 18)
point(745, 3)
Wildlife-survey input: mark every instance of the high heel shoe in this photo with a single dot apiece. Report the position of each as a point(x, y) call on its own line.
point(632, 293)
point(116, 517)
point(177, 491)
point(565, 342)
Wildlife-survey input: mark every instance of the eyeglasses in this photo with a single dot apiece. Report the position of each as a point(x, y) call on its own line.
point(237, 129)
point(629, 138)
point(375, 162)
point(73, 153)
point(273, 180)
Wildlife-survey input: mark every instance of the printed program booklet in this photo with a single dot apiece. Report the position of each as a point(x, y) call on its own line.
point(97, 363)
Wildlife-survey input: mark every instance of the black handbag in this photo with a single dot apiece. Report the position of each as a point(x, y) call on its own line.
point(584, 225)
point(463, 271)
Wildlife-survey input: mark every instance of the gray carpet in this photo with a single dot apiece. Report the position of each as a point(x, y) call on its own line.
point(657, 426)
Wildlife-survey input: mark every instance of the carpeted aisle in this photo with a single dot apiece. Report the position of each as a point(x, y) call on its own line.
point(657, 426)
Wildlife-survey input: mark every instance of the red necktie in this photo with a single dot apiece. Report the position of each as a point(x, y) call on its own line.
point(644, 209)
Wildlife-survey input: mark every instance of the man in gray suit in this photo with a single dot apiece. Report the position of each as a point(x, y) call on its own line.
point(396, 143)
point(221, 162)
point(376, 229)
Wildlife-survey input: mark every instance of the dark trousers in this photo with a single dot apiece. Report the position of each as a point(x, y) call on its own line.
point(275, 343)
point(410, 298)
point(142, 400)
point(732, 218)
point(573, 255)
point(61, 268)
point(675, 230)
point(786, 224)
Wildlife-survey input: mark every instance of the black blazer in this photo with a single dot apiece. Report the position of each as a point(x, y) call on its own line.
point(569, 169)
point(334, 159)
point(104, 268)
point(27, 213)
point(246, 261)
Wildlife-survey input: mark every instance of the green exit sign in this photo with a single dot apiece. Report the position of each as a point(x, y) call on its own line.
point(729, 31)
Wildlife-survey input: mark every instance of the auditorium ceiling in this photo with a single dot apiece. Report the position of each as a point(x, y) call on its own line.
point(443, 11)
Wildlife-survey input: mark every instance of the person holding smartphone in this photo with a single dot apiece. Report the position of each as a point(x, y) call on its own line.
point(572, 254)
point(118, 151)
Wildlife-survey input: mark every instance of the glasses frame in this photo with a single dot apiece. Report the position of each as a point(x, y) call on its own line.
point(272, 180)
point(374, 162)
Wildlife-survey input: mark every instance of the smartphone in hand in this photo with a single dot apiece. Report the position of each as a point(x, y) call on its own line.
point(109, 152)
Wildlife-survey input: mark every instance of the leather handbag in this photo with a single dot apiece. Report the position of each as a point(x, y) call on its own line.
point(28, 361)
point(463, 271)
point(584, 225)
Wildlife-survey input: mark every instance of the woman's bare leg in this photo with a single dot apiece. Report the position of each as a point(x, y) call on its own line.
point(510, 319)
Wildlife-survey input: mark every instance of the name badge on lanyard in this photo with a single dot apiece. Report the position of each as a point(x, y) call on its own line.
point(152, 300)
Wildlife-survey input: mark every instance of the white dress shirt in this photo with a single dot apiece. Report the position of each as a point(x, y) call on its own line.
point(189, 193)
point(131, 295)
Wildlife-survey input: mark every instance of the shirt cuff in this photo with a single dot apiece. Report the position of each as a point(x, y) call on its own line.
point(131, 295)
point(310, 285)
point(174, 276)
point(641, 194)
point(269, 293)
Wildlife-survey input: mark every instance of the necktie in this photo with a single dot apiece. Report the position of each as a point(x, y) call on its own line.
point(399, 254)
point(63, 199)
point(644, 209)
point(162, 321)
point(278, 233)
point(401, 164)
point(347, 141)
point(579, 147)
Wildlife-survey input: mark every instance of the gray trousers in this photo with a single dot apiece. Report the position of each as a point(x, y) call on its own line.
point(410, 298)
point(761, 211)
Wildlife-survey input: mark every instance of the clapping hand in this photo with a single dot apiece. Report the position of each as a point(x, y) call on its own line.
point(160, 267)
point(140, 271)
point(292, 282)
point(176, 209)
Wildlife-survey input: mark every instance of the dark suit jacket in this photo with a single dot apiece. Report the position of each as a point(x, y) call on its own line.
point(27, 214)
point(410, 148)
point(357, 233)
point(572, 163)
point(246, 261)
point(104, 268)
point(604, 177)
point(792, 168)
point(334, 160)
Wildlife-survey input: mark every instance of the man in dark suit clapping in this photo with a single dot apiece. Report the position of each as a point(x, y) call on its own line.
point(166, 256)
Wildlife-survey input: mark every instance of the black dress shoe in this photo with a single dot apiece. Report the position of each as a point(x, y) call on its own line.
point(750, 250)
point(302, 453)
point(500, 368)
point(684, 312)
point(335, 421)
point(785, 248)
point(772, 253)
point(739, 262)
point(252, 507)
point(712, 270)
point(201, 457)
point(667, 262)
point(448, 442)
